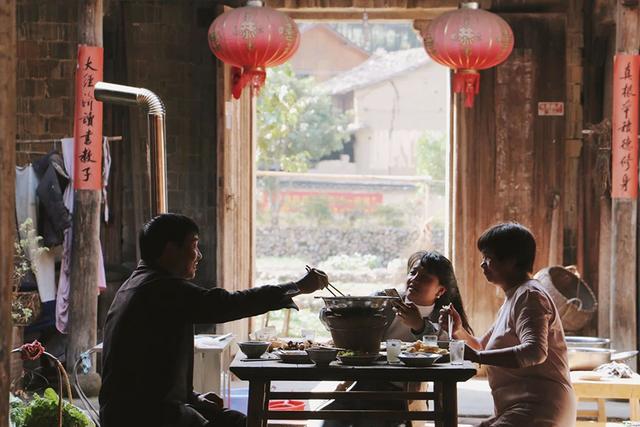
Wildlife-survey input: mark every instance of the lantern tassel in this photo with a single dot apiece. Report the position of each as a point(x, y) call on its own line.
point(467, 82)
point(241, 78)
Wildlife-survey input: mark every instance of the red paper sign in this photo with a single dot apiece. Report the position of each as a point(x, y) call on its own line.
point(624, 143)
point(551, 108)
point(88, 120)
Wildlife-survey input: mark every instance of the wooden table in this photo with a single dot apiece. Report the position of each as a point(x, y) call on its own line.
point(260, 374)
point(608, 388)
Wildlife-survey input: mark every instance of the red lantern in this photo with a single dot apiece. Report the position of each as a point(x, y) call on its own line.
point(468, 39)
point(250, 39)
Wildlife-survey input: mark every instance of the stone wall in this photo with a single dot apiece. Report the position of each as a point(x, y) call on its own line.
point(317, 244)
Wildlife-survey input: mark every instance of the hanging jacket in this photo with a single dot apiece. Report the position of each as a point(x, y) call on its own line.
point(53, 216)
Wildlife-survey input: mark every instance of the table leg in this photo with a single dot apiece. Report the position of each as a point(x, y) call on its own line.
point(265, 406)
point(256, 416)
point(438, 406)
point(602, 411)
point(449, 404)
point(634, 406)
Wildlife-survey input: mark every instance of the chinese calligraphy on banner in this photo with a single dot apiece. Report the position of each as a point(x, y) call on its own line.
point(624, 154)
point(88, 120)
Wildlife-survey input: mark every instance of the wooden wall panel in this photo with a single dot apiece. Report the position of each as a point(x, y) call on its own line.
point(509, 159)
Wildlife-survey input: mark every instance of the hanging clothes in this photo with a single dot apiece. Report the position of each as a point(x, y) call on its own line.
point(53, 215)
point(43, 262)
point(64, 283)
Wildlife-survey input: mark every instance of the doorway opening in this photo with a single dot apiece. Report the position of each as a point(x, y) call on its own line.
point(351, 162)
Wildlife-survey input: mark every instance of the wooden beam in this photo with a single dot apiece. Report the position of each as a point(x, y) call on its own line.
point(83, 297)
point(361, 4)
point(345, 15)
point(7, 191)
point(624, 213)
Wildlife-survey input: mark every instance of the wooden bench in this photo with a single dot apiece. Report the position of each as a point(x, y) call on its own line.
point(597, 424)
point(610, 388)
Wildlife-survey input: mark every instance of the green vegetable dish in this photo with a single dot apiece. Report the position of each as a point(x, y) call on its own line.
point(42, 411)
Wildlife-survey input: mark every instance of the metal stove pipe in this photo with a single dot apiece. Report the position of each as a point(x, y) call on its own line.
point(156, 133)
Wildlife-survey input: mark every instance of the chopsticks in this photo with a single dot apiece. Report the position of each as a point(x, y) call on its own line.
point(330, 287)
point(449, 319)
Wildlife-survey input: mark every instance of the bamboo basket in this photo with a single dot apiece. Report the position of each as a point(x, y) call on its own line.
point(574, 299)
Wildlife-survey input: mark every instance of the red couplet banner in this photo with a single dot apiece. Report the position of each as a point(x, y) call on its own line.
point(88, 120)
point(624, 143)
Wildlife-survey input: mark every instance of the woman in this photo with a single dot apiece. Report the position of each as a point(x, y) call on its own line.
point(431, 285)
point(525, 351)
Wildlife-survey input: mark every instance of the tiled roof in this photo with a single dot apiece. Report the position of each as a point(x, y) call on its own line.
point(381, 66)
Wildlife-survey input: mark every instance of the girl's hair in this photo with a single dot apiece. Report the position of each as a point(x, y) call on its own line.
point(437, 264)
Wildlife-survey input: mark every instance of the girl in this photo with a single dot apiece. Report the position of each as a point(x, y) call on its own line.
point(431, 285)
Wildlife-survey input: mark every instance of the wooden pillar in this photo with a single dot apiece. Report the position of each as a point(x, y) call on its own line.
point(7, 190)
point(83, 298)
point(624, 217)
point(573, 132)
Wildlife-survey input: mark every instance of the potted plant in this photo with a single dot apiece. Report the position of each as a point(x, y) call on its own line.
point(25, 306)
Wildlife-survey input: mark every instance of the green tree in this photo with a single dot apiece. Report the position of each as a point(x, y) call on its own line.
point(297, 126)
point(432, 158)
point(432, 155)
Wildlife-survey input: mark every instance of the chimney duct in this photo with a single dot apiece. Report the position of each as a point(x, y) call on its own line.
point(156, 133)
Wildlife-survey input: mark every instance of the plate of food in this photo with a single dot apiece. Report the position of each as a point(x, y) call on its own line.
point(278, 344)
point(418, 359)
point(293, 356)
point(420, 347)
point(355, 358)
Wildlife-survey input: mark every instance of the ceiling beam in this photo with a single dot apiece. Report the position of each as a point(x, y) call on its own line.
point(362, 4)
point(357, 14)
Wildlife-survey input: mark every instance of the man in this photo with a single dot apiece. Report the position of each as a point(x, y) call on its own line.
point(147, 371)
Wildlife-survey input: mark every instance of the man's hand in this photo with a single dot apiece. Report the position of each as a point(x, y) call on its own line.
point(208, 404)
point(313, 281)
point(213, 398)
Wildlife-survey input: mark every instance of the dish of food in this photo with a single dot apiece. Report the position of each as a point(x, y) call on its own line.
point(355, 358)
point(290, 345)
point(293, 356)
point(418, 359)
point(420, 347)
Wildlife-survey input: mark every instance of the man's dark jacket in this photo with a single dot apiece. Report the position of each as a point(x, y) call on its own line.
point(147, 360)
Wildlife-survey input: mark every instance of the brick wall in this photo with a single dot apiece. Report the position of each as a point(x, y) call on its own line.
point(46, 39)
point(159, 45)
point(167, 52)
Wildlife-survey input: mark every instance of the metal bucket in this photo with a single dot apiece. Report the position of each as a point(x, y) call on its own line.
point(592, 342)
point(356, 333)
point(356, 306)
point(589, 358)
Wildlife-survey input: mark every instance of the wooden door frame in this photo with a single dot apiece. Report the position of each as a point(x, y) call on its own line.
point(235, 193)
point(236, 133)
